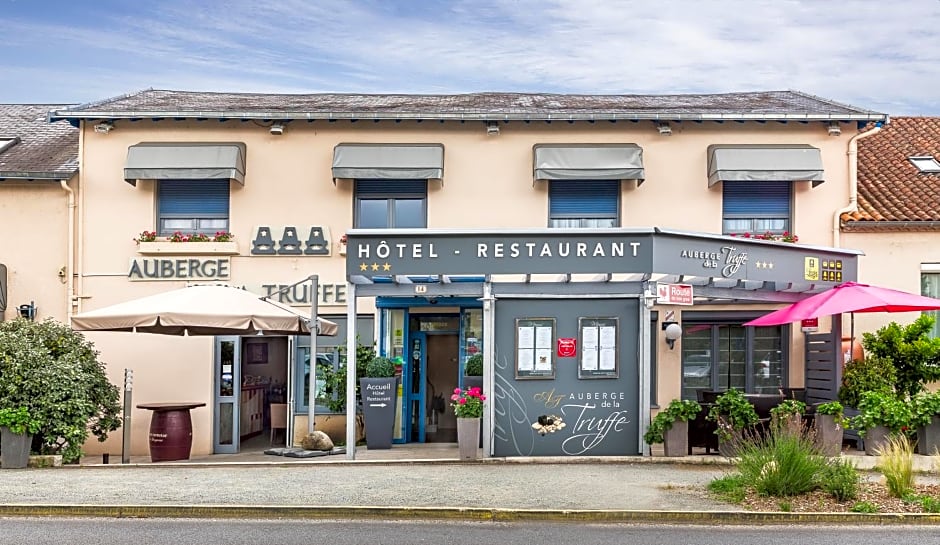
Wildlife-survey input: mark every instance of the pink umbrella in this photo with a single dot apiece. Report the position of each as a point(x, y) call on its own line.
point(848, 297)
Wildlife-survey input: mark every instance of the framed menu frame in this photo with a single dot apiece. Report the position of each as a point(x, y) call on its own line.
point(535, 356)
point(599, 353)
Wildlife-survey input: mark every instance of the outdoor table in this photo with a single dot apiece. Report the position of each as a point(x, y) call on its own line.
point(171, 430)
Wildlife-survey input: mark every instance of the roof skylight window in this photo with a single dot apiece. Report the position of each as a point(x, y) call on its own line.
point(926, 164)
point(7, 143)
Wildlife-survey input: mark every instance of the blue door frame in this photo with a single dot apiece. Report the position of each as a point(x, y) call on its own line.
point(418, 342)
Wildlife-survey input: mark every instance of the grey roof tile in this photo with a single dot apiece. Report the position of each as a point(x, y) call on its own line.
point(45, 150)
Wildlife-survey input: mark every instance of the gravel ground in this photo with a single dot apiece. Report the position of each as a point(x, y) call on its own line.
point(515, 486)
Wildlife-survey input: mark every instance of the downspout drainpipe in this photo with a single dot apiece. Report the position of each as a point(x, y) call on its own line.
point(852, 154)
point(70, 260)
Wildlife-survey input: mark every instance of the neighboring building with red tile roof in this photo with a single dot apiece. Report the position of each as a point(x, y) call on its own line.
point(898, 178)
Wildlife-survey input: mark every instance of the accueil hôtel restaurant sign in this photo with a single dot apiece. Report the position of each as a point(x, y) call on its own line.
point(431, 252)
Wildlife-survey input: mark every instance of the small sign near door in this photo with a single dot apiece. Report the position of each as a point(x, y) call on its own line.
point(567, 347)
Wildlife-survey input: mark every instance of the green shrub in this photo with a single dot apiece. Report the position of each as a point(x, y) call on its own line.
point(839, 478)
point(930, 505)
point(864, 507)
point(872, 374)
point(835, 409)
point(474, 366)
point(925, 406)
point(731, 488)
point(54, 373)
point(788, 407)
point(911, 350)
point(883, 409)
point(897, 465)
point(678, 409)
point(380, 367)
point(733, 413)
point(785, 462)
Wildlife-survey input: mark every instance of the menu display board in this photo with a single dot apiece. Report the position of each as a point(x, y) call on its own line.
point(535, 338)
point(599, 351)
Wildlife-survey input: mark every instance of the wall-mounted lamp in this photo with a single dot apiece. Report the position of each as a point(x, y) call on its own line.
point(104, 127)
point(277, 128)
point(492, 128)
point(664, 128)
point(672, 333)
point(834, 128)
point(28, 311)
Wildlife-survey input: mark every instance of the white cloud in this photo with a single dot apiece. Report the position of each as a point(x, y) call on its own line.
point(871, 54)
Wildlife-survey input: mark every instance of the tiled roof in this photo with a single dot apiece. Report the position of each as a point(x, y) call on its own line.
point(474, 106)
point(44, 150)
point(894, 194)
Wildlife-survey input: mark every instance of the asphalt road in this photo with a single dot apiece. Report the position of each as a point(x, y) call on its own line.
point(288, 532)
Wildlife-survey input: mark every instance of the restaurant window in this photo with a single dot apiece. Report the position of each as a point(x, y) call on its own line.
point(331, 358)
point(756, 207)
point(719, 356)
point(930, 287)
point(391, 204)
point(584, 203)
point(192, 206)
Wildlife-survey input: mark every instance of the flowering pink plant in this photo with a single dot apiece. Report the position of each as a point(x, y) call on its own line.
point(146, 236)
point(222, 236)
point(468, 403)
point(787, 236)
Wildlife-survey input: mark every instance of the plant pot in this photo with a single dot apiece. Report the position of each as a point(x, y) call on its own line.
point(14, 449)
point(676, 439)
point(828, 434)
point(928, 437)
point(875, 439)
point(468, 437)
point(379, 397)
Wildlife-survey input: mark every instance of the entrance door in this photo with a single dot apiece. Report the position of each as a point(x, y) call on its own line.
point(227, 386)
point(441, 378)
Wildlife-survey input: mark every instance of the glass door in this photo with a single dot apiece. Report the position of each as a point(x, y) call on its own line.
point(227, 387)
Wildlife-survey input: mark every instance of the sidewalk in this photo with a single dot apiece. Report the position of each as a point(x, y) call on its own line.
point(415, 482)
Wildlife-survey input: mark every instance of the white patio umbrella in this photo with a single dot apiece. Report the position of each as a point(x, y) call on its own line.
point(200, 310)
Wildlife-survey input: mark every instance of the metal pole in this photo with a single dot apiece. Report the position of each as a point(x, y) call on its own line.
point(351, 371)
point(314, 331)
point(126, 427)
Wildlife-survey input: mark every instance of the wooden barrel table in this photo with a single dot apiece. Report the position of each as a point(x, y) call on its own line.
point(171, 430)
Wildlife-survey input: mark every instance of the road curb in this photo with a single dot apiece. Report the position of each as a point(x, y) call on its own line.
point(464, 514)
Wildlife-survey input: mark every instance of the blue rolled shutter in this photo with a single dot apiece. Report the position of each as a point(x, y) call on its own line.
point(756, 199)
point(583, 198)
point(391, 188)
point(194, 198)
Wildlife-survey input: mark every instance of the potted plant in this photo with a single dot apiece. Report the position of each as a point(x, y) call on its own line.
point(670, 427)
point(379, 390)
point(871, 374)
point(17, 427)
point(788, 413)
point(926, 407)
point(829, 421)
point(733, 414)
point(468, 408)
point(881, 414)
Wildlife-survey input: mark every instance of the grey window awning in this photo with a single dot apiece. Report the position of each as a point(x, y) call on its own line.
point(185, 161)
point(388, 161)
point(589, 162)
point(764, 163)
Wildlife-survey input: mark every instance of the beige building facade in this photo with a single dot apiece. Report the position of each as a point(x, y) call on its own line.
point(275, 167)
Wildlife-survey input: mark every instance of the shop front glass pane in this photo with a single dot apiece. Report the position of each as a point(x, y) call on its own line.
point(732, 357)
point(472, 332)
point(767, 360)
point(696, 359)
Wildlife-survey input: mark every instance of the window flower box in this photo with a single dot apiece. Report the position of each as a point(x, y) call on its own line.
point(164, 247)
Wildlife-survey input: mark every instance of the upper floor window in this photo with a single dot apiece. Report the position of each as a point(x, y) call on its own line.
point(192, 206)
point(756, 207)
point(584, 203)
point(391, 204)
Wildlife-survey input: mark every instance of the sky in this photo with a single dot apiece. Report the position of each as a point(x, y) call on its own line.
point(882, 55)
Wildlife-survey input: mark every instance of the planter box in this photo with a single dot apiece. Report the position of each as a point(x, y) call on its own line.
point(928, 437)
point(14, 449)
point(676, 441)
point(188, 248)
point(468, 437)
point(828, 434)
point(875, 439)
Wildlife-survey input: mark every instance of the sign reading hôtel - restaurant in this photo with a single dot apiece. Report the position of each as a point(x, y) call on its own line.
point(598, 251)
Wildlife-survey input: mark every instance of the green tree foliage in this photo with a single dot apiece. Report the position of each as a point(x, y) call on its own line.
point(914, 354)
point(55, 374)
